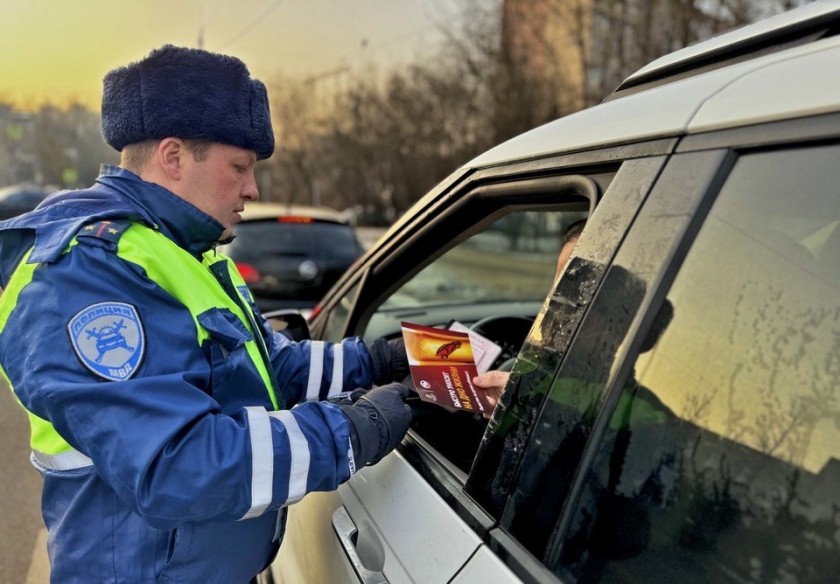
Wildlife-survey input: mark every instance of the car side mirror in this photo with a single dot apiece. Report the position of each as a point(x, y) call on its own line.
point(290, 323)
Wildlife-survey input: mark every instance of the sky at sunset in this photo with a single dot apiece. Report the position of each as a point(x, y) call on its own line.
point(60, 49)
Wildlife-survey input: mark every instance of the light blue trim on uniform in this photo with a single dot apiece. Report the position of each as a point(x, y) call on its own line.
point(70, 460)
point(350, 458)
point(316, 370)
point(298, 453)
point(336, 384)
point(262, 461)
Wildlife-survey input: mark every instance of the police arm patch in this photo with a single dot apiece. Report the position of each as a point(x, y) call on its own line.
point(108, 339)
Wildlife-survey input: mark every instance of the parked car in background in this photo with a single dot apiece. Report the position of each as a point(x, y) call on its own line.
point(18, 199)
point(290, 255)
point(673, 411)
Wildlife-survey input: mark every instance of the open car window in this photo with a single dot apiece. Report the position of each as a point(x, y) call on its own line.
point(495, 283)
point(513, 260)
point(503, 272)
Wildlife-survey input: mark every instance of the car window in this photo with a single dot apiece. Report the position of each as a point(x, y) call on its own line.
point(271, 237)
point(513, 259)
point(23, 198)
point(721, 459)
point(16, 199)
point(336, 321)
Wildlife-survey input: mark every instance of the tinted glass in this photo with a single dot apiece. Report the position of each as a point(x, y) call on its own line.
point(516, 465)
point(508, 471)
point(327, 240)
point(720, 460)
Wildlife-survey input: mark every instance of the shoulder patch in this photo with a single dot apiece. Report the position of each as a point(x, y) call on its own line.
point(108, 339)
point(107, 230)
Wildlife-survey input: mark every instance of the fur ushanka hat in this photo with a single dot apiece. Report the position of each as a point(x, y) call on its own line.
point(190, 94)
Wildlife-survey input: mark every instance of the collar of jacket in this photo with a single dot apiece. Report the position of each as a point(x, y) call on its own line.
point(117, 194)
point(180, 221)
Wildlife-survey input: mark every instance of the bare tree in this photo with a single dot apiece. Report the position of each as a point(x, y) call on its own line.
point(69, 145)
point(299, 119)
point(625, 35)
point(10, 135)
point(505, 67)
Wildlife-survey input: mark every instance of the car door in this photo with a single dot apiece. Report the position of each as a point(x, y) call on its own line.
point(692, 429)
point(410, 517)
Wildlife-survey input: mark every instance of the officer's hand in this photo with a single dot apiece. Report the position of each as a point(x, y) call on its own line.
point(378, 421)
point(390, 362)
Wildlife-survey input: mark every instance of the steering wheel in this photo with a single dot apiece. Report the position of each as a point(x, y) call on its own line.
point(509, 332)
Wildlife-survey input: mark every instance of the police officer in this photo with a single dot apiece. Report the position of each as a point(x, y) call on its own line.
point(171, 425)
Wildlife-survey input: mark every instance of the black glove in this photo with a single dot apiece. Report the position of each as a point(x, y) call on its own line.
point(390, 362)
point(378, 421)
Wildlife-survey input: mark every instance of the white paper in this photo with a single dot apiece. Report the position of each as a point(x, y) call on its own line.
point(485, 351)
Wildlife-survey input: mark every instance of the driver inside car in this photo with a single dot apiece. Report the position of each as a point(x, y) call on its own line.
point(493, 382)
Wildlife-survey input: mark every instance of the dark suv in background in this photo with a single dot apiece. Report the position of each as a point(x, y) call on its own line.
point(291, 255)
point(21, 198)
point(673, 413)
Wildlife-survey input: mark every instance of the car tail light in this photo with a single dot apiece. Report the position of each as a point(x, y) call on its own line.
point(248, 272)
point(315, 311)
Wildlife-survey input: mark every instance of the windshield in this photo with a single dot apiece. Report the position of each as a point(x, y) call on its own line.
point(270, 237)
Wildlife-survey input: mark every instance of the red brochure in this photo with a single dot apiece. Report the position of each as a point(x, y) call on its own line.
point(442, 366)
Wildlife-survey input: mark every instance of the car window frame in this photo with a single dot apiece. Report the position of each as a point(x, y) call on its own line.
point(482, 205)
point(447, 193)
point(465, 214)
point(403, 261)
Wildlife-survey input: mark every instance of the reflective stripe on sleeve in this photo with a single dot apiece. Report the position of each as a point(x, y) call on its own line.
point(72, 459)
point(337, 383)
point(316, 370)
point(262, 461)
point(351, 459)
point(298, 453)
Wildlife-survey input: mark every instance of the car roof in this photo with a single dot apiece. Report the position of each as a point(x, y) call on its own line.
point(10, 190)
point(742, 93)
point(256, 211)
point(794, 26)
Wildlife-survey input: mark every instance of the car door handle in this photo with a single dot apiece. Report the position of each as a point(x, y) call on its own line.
point(345, 529)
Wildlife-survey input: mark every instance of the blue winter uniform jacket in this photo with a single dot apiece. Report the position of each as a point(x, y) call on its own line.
point(180, 472)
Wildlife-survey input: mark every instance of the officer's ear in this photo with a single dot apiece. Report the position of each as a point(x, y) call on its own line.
point(169, 155)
